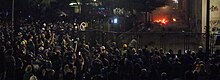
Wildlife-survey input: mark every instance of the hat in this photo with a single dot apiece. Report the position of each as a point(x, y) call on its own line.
point(200, 47)
point(103, 47)
point(125, 45)
point(19, 33)
point(41, 48)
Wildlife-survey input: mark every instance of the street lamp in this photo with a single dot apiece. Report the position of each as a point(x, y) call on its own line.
point(115, 21)
point(71, 4)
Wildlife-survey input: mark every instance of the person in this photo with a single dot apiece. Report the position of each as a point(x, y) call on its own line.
point(48, 72)
point(97, 62)
point(56, 59)
point(10, 65)
point(153, 73)
point(79, 63)
point(28, 72)
point(69, 72)
point(97, 65)
point(200, 54)
point(214, 69)
point(164, 76)
point(2, 62)
point(202, 73)
point(19, 69)
point(189, 74)
point(143, 75)
point(33, 77)
point(124, 50)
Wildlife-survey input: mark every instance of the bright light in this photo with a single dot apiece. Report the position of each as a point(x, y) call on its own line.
point(162, 21)
point(174, 19)
point(76, 27)
point(175, 1)
point(94, 0)
point(165, 7)
point(71, 4)
point(115, 20)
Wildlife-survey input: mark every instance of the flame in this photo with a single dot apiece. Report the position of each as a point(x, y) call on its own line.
point(162, 21)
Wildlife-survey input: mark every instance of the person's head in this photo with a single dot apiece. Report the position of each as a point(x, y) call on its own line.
point(200, 47)
point(189, 51)
point(134, 50)
point(43, 36)
point(19, 63)
point(10, 52)
point(156, 53)
point(161, 50)
point(30, 37)
point(202, 67)
point(66, 67)
point(87, 47)
point(2, 49)
point(145, 46)
point(8, 45)
point(102, 48)
point(114, 44)
point(197, 59)
point(171, 51)
point(48, 64)
point(41, 49)
point(33, 77)
point(19, 35)
point(163, 76)
point(193, 53)
point(125, 46)
point(144, 71)
point(28, 69)
point(140, 51)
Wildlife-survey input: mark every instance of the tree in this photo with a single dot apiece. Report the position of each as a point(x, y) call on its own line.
point(141, 5)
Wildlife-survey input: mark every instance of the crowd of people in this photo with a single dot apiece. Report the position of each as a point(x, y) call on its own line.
point(51, 51)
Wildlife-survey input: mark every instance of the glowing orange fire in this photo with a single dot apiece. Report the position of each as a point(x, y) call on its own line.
point(162, 21)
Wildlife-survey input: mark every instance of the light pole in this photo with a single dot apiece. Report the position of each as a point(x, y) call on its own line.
point(12, 14)
point(207, 27)
point(12, 20)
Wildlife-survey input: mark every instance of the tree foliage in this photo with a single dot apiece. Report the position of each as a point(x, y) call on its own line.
point(142, 5)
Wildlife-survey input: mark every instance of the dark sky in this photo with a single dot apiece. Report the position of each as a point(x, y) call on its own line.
point(5, 4)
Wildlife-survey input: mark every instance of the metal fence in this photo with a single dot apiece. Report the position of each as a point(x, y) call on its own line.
point(165, 40)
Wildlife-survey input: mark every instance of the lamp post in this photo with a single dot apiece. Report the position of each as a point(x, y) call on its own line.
point(12, 19)
point(12, 14)
point(207, 27)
